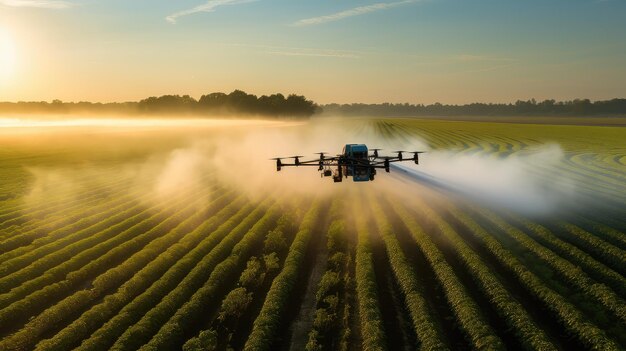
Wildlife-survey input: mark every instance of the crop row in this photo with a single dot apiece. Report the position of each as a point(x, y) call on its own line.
point(166, 234)
point(370, 317)
point(175, 331)
point(512, 312)
point(52, 213)
point(573, 274)
point(54, 205)
point(105, 208)
point(250, 288)
point(118, 311)
point(330, 328)
point(426, 329)
point(86, 265)
point(37, 260)
point(611, 255)
point(46, 256)
point(568, 316)
point(79, 217)
point(268, 321)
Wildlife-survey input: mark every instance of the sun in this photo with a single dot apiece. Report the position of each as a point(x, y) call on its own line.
point(8, 56)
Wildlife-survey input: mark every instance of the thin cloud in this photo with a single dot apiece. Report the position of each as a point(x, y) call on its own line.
point(479, 58)
point(210, 6)
point(491, 68)
point(313, 54)
point(43, 4)
point(357, 11)
point(299, 51)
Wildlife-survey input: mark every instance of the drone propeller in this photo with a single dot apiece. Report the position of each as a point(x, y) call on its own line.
point(279, 164)
point(416, 156)
point(297, 159)
point(375, 152)
point(321, 154)
point(321, 167)
point(399, 154)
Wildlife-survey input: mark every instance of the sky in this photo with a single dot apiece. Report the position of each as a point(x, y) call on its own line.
point(416, 51)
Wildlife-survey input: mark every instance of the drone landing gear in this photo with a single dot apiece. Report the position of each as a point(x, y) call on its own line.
point(338, 176)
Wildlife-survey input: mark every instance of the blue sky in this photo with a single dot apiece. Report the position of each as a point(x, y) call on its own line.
point(452, 51)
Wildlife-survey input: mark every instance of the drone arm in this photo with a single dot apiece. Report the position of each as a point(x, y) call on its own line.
point(300, 165)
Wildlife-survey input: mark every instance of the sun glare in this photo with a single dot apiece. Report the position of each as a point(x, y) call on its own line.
point(8, 56)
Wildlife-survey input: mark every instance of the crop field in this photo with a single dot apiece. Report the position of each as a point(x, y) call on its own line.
point(506, 236)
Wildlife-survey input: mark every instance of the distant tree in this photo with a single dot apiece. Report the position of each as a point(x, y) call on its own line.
point(578, 107)
point(168, 103)
point(239, 102)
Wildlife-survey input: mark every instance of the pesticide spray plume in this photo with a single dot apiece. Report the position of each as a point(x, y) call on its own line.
point(511, 183)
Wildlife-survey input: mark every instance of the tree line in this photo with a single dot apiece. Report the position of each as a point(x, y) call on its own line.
point(236, 103)
point(577, 107)
point(241, 103)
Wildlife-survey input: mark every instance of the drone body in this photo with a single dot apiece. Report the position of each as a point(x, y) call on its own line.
point(355, 161)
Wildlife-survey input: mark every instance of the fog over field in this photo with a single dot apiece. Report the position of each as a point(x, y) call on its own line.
point(239, 152)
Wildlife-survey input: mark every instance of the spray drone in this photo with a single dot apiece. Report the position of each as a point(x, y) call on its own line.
point(355, 161)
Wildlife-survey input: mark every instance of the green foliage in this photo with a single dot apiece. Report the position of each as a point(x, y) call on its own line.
point(271, 261)
point(117, 321)
point(479, 332)
point(336, 236)
point(571, 318)
point(337, 261)
point(253, 275)
point(275, 241)
point(370, 316)
point(172, 330)
point(529, 335)
point(175, 226)
point(206, 341)
point(324, 320)
point(332, 302)
point(328, 284)
point(235, 304)
point(313, 344)
point(268, 321)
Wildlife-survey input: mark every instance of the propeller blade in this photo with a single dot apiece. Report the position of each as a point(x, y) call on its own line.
point(416, 156)
point(400, 154)
point(322, 154)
